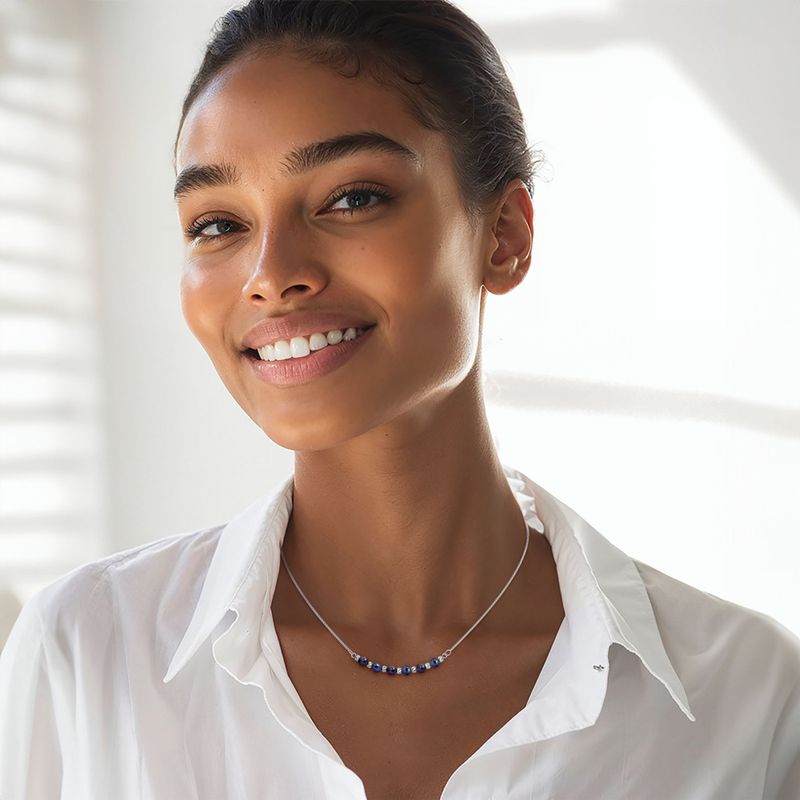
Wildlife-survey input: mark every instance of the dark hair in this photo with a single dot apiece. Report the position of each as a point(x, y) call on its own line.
point(440, 61)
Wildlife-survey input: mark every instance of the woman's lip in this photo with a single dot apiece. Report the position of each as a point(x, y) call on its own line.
point(295, 371)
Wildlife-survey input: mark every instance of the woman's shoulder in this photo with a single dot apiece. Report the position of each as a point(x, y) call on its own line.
point(159, 576)
point(711, 632)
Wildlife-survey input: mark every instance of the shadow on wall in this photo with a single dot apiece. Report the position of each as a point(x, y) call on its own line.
point(9, 610)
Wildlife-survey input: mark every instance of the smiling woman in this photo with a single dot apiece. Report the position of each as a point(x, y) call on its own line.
point(352, 179)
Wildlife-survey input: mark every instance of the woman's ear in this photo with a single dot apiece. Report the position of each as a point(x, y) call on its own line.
point(510, 239)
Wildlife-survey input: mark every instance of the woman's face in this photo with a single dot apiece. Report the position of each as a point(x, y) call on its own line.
point(412, 264)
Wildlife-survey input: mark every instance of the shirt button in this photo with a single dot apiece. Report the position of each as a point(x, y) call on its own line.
point(599, 667)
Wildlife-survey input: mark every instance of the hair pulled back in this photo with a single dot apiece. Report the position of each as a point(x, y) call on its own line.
point(442, 64)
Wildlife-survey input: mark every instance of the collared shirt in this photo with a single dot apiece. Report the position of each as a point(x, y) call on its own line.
point(157, 674)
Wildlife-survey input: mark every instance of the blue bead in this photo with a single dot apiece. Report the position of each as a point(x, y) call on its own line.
point(406, 670)
point(434, 662)
point(421, 668)
point(376, 667)
point(391, 670)
point(363, 660)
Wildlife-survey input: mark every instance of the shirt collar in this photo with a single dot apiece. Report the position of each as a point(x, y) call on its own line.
point(612, 580)
point(611, 577)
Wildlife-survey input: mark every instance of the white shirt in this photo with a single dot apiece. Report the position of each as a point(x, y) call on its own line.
point(156, 674)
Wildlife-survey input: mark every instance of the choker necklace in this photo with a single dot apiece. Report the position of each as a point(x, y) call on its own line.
point(406, 669)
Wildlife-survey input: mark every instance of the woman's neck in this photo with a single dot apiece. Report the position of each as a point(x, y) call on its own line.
point(404, 539)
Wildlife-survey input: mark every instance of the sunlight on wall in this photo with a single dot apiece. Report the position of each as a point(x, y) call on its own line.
point(50, 496)
point(650, 352)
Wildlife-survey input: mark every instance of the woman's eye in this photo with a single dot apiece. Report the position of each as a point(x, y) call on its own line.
point(357, 198)
point(226, 226)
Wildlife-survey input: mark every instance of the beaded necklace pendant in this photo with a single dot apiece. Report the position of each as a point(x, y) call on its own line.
point(404, 670)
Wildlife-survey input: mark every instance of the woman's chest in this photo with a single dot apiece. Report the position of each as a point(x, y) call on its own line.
point(404, 736)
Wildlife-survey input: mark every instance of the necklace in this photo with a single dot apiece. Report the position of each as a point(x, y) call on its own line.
point(375, 666)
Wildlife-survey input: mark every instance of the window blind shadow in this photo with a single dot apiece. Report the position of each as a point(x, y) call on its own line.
point(50, 443)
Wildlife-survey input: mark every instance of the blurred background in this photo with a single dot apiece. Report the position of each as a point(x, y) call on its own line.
point(650, 357)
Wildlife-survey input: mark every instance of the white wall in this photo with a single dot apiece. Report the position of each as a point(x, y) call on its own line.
point(52, 503)
point(650, 354)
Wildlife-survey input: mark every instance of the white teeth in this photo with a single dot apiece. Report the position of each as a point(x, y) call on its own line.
point(300, 346)
point(317, 341)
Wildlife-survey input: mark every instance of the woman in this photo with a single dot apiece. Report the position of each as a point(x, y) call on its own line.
point(412, 618)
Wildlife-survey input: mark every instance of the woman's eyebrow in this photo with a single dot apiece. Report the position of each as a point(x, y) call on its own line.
point(301, 159)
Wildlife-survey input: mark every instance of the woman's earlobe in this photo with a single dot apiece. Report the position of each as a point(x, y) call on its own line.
point(502, 277)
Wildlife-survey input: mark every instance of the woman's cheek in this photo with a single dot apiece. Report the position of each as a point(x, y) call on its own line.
point(202, 302)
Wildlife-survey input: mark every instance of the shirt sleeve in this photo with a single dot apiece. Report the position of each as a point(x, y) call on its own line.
point(30, 750)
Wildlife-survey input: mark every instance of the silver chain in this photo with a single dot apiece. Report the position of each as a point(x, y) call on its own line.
point(427, 665)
